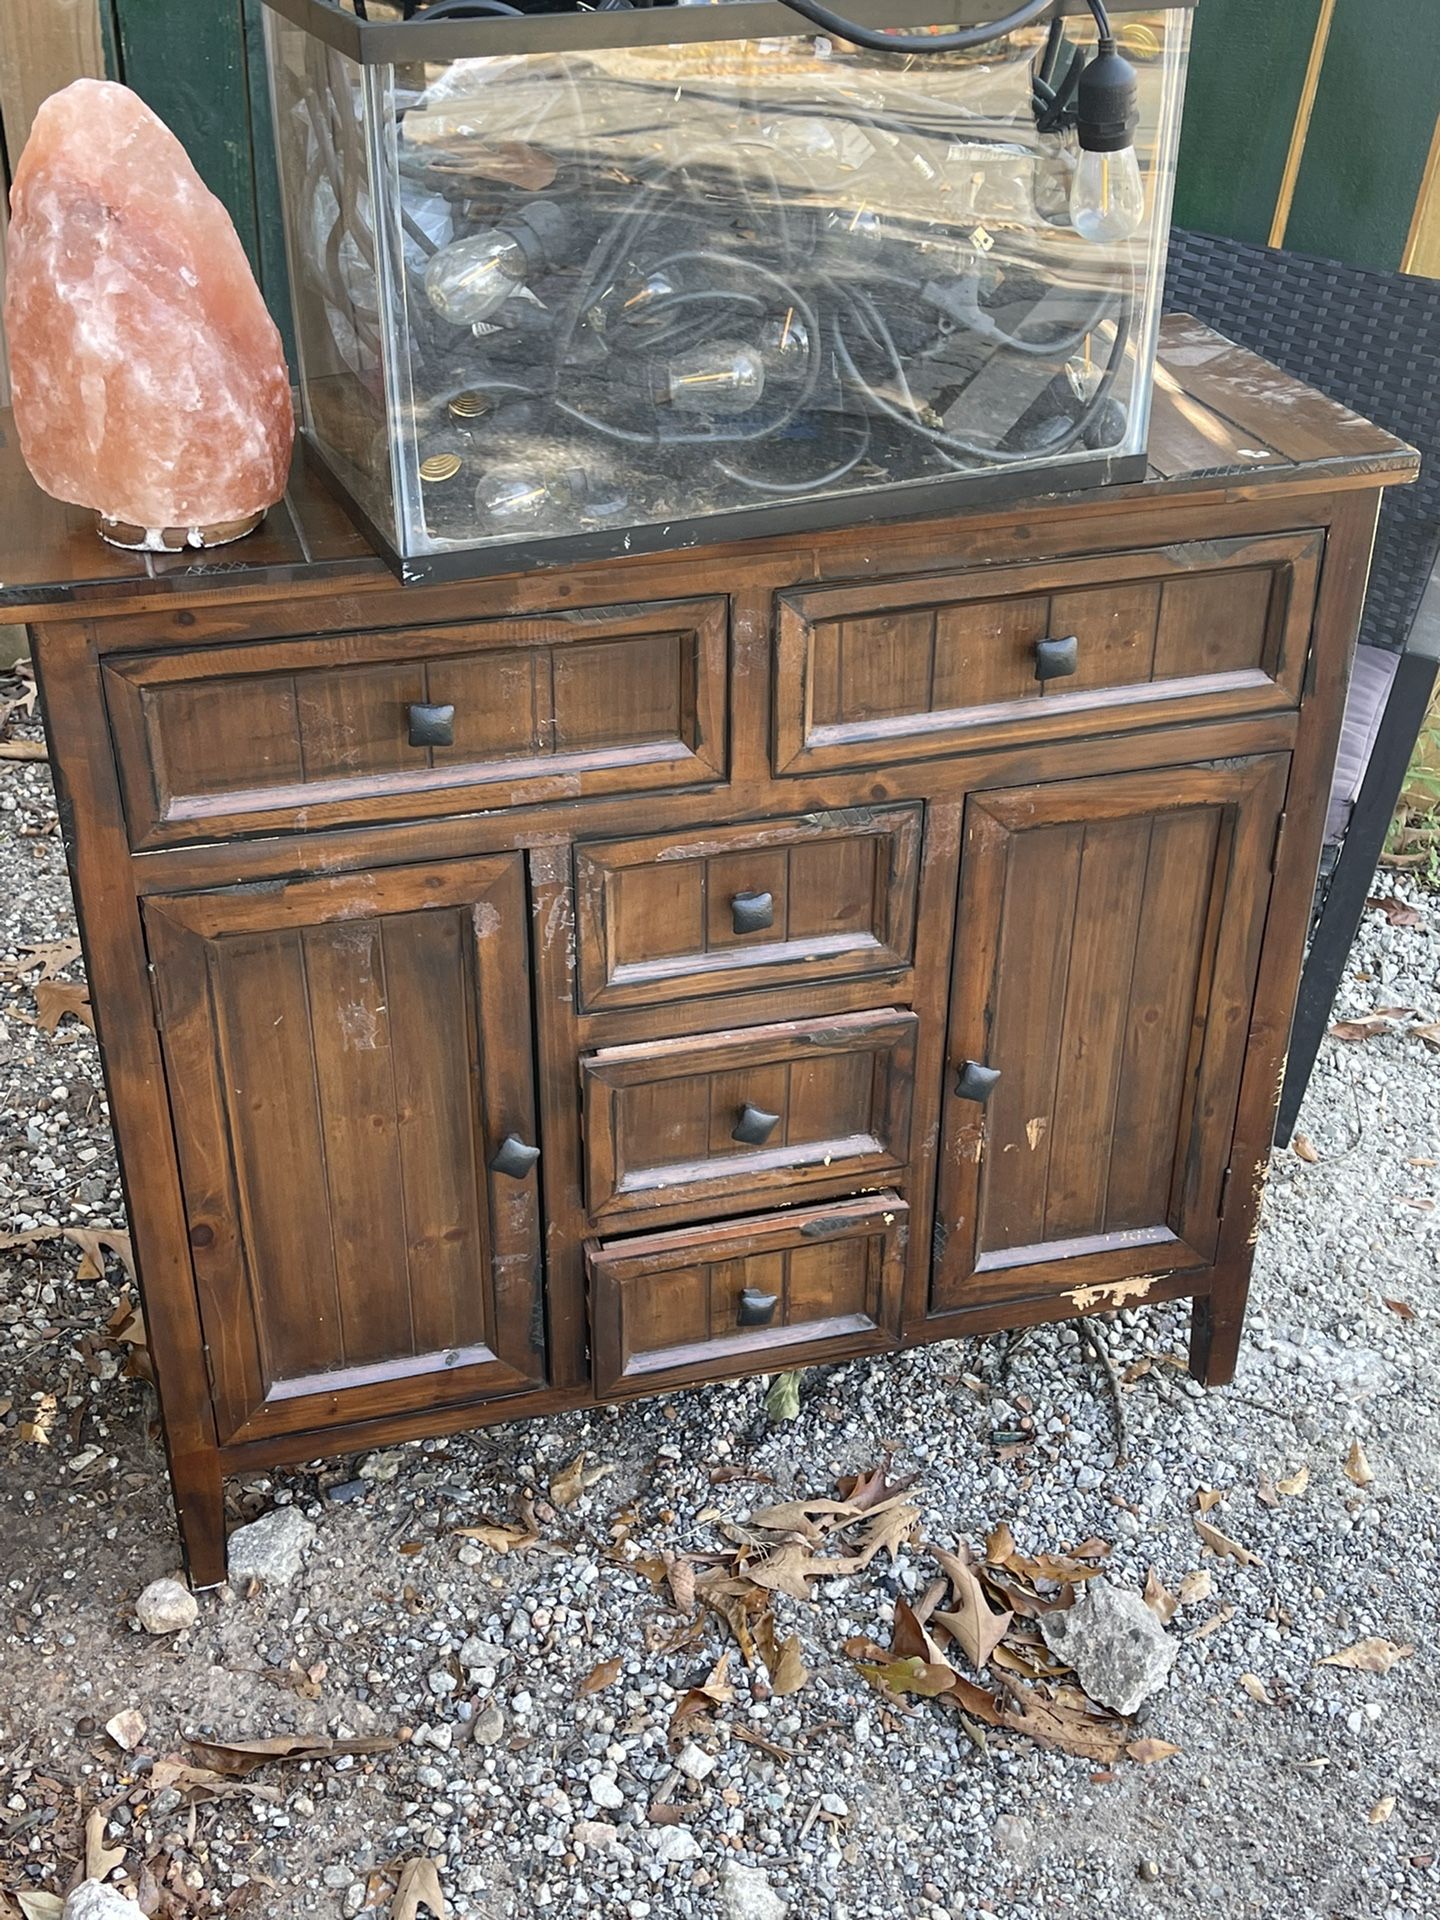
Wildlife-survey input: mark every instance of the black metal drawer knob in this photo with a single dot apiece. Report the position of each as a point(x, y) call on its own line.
point(1057, 659)
point(755, 1126)
point(756, 1309)
point(514, 1157)
point(975, 1082)
point(432, 726)
point(752, 912)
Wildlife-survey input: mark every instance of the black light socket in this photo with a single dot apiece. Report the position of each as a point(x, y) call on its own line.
point(1107, 105)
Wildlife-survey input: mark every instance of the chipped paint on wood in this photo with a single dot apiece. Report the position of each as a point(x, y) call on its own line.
point(1116, 1294)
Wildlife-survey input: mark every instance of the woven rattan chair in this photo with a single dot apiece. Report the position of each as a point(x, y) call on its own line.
point(1372, 342)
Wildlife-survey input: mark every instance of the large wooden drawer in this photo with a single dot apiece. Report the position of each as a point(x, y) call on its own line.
point(353, 727)
point(729, 1122)
point(908, 669)
point(780, 1290)
point(725, 909)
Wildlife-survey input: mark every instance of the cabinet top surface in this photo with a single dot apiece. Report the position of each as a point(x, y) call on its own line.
point(1224, 421)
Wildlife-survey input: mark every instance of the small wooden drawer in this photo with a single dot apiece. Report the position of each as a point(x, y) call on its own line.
point(777, 1291)
point(725, 909)
point(908, 669)
point(383, 726)
point(727, 1122)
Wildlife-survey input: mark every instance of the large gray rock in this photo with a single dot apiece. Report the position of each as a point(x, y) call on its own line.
point(748, 1894)
point(93, 1900)
point(271, 1549)
point(166, 1607)
point(1119, 1650)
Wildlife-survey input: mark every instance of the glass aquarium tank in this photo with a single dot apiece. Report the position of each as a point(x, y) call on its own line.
point(576, 283)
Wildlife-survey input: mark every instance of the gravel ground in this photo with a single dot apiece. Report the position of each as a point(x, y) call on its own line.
point(1299, 1790)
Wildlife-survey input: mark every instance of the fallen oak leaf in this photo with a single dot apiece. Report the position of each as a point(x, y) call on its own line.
point(1158, 1597)
point(603, 1676)
point(1402, 1307)
point(1207, 1498)
point(889, 1529)
point(972, 1623)
point(1357, 1467)
point(782, 1398)
point(236, 1759)
point(1000, 1545)
point(419, 1887)
point(866, 1491)
point(50, 956)
point(100, 1860)
point(783, 1662)
point(1195, 1587)
point(1257, 1690)
point(790, 1569)
point(699, 1702)
point(910, 1675)
point(499, 1539)
point(1382, 1810)
point(1149, 1752)
point(814, 1519)
point(1303, 1147)
point(1295, 1484)
point(1222, 1544)
point(680, 1574)
point(1398, 912)
point(1367, 1656)
point(36, 1905)
point(54, 999)
point(1212, 1625)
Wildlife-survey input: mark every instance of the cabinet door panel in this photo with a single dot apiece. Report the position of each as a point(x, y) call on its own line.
point(1106, 948)
point(344, 1059)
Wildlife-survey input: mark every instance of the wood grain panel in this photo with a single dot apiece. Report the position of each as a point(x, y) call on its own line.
point(1106, 952)
point(310, 733)
point(665, 1305)
point(659, 1118)
point(1188, 630)
point(354, 1054)
point(656, 920)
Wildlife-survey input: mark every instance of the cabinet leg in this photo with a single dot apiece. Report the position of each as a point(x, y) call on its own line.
point(1216, 1323)
point(199, 1490)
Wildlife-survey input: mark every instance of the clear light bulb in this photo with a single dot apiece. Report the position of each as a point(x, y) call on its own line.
point(1107, 196)
point(474, 278)
point(517, 495)
point(471, 279)
point(719, 377)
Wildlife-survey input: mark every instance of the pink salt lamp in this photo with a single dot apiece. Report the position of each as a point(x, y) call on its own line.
point(149, 381)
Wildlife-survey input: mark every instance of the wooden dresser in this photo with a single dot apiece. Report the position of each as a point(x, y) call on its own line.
point(583, 983)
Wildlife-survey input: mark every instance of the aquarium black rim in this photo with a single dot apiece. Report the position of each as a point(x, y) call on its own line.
point(377, 43)
point(917, 500)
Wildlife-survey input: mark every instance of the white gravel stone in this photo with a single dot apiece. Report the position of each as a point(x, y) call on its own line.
point(94, 1900)
point(166, 1606)
point(674, 1846)
point(748, 1894)
point(1118, 1647)
point(605, 1791)
point(271, 1549)
point(695, 1763)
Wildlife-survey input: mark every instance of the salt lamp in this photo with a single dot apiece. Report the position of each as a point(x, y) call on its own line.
point(149, 380)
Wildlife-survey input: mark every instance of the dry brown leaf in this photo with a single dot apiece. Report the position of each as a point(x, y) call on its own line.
point(574, 1480)
point(235, 1759)
point(1148, 1752)
point(1222, 1544)
point(1212, 1625)
point(1266, 1491)
point(890, 1527)
point(36, 1905)
point(791, 1568)
point(1068, 1722)
point(1367, 1656)
point(1358, 1030)
point(681, 1577)
point(1357, 1467)
point(1158, 1597)
point(100, 1860)
point(50, 956)
point(1257, 1690)
point(55, 998)
point(603, 1676)
point(1402, 1307)
point(500, 1539)
point(973, 1624)
point(419, 1887)
point(1195, 1587)
point(1382, 1810)
point(1303, 1148)
point(910, 1675)
point(737, 1602)
point(783, 1662)
point(1295, 1484)
point(814, 1520)
point(867, 1491)
point(999, 1545)
point(696, 1702)
point(1398, 912)
point(1207, 1498)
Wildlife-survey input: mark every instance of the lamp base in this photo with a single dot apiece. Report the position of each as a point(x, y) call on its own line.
point(117, 533)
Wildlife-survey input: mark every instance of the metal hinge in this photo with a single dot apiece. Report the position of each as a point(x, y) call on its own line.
point(209, 1368)
point(1224, 1189)
point(157, 1005)
point(1307, 684)
point(1279, 841)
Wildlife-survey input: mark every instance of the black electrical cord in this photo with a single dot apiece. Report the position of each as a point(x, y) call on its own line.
point(879, 41)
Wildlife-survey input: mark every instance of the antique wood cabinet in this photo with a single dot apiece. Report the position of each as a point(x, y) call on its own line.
point(585, 982)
